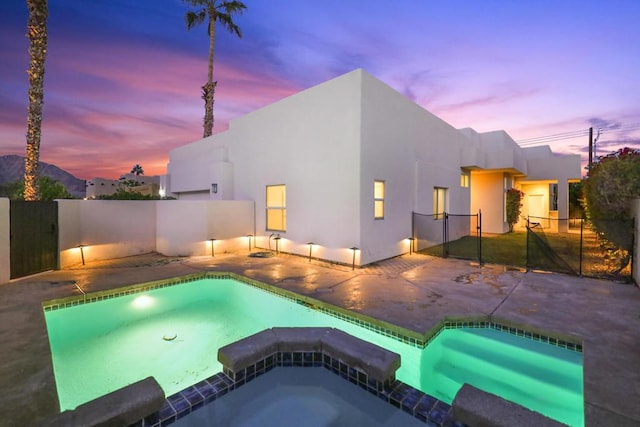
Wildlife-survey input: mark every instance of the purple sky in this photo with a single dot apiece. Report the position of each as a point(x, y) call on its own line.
point(122, 82)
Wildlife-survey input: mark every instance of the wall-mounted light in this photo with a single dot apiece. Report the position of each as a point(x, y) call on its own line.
point(81, 246)
point(249, 236)
point(310, 248)
point(214, 188)
point(213, 253)
point(353, 263)
point(411, 239)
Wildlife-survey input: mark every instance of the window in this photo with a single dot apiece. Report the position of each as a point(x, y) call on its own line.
point(439, 202)
point(276, 207)
point(553, 197)
point(464, 180)
point(378, 199)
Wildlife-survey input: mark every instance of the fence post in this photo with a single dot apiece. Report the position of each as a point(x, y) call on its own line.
point(445, 237)
point(581, 227)
point(526, 263)
point(479, 230)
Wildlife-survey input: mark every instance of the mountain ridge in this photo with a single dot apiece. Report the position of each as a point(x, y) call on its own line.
point(12, 169)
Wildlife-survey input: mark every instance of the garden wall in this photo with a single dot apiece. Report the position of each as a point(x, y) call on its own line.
point(5, 244)
point(186, 227)
point(106, 228)
point(110, 229)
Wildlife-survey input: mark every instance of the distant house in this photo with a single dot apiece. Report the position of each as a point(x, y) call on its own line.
point(148, 185)
point(345, 163)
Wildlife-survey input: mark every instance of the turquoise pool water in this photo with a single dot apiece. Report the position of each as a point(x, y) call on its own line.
point(174, 333)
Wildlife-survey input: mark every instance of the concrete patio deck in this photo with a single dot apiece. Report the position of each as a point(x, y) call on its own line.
point(413, 291)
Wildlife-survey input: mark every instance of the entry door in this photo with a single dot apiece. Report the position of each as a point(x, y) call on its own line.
point(34, 237)
point(536, 207)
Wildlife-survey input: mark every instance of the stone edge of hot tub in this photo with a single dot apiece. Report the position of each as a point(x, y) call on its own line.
point(374, 361)
point(478, 408)
point(118, 408)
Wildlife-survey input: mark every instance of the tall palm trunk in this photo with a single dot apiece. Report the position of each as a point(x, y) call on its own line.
point(37, 35)
point(209, 88)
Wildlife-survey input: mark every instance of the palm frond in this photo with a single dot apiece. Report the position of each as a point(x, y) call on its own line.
point(195, 18)
point(227, 22)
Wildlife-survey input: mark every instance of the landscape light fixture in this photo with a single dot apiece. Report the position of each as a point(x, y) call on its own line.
point(277, 239)
point(249, 236)
point(353, 262)
point(411, 239)
point(310, 248)
point(81, 246)
point(212, 240)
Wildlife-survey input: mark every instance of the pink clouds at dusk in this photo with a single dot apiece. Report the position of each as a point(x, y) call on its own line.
point(122, 82)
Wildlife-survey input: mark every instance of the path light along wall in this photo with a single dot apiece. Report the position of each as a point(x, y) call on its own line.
point(310, 249)
point(354, 249)
point(81, 247)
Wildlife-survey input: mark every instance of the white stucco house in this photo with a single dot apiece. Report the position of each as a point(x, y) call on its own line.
point(345, 163)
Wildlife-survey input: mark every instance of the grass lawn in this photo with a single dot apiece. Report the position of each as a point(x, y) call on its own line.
point(507, 249)
point(511, 249)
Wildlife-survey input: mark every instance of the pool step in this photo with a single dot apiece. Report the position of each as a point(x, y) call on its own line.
point(508, 361)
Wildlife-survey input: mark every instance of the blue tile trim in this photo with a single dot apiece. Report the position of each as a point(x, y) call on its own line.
point(424, 407)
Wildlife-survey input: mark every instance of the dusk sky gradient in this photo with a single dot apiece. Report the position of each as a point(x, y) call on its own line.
point(123, 77)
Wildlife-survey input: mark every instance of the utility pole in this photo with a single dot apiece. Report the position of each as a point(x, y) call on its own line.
point(590, 148)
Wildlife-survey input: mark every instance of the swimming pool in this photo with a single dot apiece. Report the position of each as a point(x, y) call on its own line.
point(173, 333)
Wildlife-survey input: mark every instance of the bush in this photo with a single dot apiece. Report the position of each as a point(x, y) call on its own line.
point(514, 203)
point(612, 183)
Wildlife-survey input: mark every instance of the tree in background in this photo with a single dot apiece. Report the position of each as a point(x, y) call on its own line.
point(49, 189)
point(123, 193)
point(212, 11)
point(575, 200)
point(37, 35)
point(613, 182)
point(514, 203)
point(137, 170)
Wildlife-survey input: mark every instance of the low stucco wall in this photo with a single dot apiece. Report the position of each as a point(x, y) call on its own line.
point(186, 227)
point(5, 243)
point(107, 228)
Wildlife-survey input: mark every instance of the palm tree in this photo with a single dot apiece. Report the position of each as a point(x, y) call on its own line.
point(37, 35)
point(212, 11)
point(137, 170)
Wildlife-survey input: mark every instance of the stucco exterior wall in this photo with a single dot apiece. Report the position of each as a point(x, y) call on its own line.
point(107, 228)
point(184, 228)
point(407, 153)
point(328, 144)
point(5, 243)
point(310, 143)
point(562, 170)
point(488, 196)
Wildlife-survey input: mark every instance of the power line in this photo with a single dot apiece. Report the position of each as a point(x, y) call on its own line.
point(576, 134)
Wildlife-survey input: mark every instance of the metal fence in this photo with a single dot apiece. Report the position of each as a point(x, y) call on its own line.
point(457, 235)
point(566, 245)
point(583, 250)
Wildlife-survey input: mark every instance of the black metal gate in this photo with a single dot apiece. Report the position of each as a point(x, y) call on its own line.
point(34, 237)
point(449, 235)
